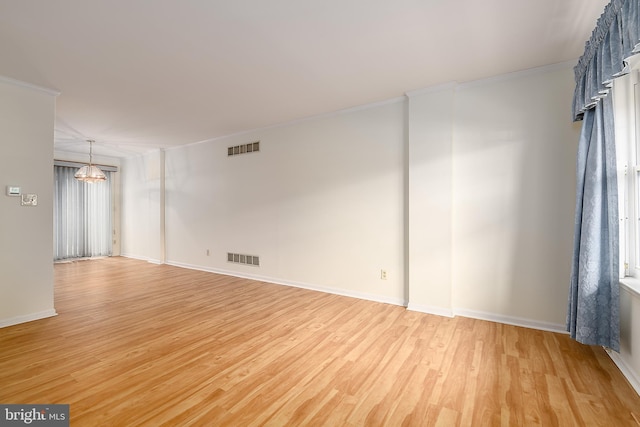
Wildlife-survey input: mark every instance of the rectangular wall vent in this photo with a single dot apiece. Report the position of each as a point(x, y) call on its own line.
point(251, 147)
point(243, 259)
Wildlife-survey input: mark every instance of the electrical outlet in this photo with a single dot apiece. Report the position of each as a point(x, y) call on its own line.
point(383, 274)
point(208, 252)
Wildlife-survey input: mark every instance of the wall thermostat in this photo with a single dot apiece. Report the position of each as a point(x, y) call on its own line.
point(13, 191)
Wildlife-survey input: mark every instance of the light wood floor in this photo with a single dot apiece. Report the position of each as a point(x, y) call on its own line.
point(142, 344)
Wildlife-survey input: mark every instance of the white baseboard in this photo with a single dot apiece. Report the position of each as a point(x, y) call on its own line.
point(27, 318)
point(142, 258)
point(335, 291)
point(439, 311)
point(491, 317)
point(510, 320)
point(626, 370)
point(427, 309)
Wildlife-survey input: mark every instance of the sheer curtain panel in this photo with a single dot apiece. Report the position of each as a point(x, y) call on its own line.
point(82, 216)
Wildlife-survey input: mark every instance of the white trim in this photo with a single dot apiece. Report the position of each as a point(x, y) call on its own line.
point(395, 100)
point(491, 317)
point(20, 83)
point(631, 285)
point(408, 94)
point(431, 89)
point(439, 311)
point(27, 318)
point(518, 74)
point(429, 309)
point(511, 320)
point(142, 258)
point(626, 370)
point(163, 209)
point(311, 287)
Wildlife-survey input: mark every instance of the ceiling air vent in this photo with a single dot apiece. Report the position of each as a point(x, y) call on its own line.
point(251, 147)
point(243, 259)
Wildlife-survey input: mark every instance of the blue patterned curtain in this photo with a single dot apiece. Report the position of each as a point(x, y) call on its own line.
point(593, 312)
point(613, 41)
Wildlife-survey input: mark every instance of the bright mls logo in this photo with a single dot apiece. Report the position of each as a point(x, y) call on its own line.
point(35, 415)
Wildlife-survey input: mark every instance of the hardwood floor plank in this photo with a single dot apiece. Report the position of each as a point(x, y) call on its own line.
point(142, 344)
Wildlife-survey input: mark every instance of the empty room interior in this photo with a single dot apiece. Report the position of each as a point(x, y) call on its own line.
point(321, 213)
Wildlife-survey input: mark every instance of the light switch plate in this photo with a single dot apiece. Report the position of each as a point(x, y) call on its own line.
point(13, 191)
point(29, 200)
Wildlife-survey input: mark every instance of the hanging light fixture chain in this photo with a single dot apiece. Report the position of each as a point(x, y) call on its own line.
point(91, 141)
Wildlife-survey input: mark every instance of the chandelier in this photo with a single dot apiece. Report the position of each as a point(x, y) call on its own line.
point(90, 173)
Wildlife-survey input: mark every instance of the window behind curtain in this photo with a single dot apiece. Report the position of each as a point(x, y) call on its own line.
point(82, 216)
point(626, 98)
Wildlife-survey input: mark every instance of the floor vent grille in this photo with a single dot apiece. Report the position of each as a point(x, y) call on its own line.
point(243, 259)
point(251, 147)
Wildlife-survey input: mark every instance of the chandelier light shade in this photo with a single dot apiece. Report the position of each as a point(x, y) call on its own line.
point(90, 173)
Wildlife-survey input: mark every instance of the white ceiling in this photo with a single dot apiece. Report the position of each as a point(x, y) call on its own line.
point(140, 74)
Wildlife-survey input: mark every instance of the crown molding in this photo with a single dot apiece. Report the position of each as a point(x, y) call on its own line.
point(518, 74)
point(26, 85)
point(431, 89)
point(395, 100)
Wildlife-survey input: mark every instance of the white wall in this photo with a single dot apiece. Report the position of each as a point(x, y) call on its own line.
point(321, 204)
point(463, 193)
point(429, 201)
point(141, 207)
point(26, 242)
point(629, 358)
point(513, 197)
